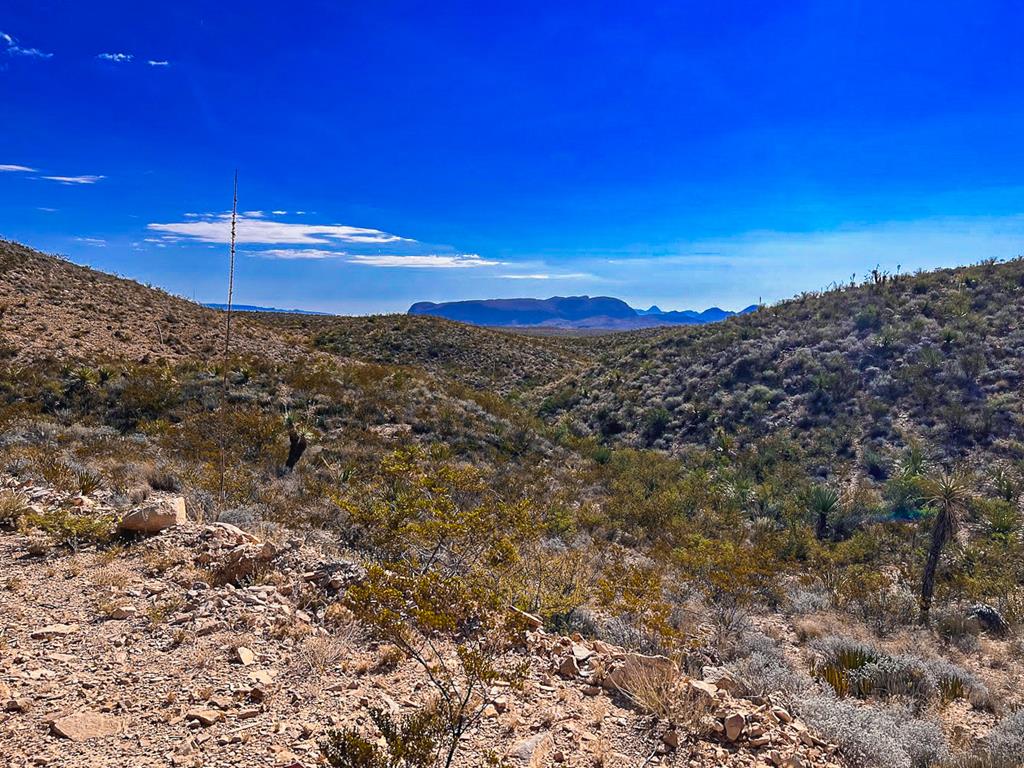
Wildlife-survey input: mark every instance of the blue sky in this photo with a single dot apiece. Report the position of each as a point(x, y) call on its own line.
point(685, 154)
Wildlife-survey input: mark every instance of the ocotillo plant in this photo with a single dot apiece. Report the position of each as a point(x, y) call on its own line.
point(227, 331)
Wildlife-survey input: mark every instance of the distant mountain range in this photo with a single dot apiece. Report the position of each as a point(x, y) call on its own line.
point(254, 308)
point(581, 312)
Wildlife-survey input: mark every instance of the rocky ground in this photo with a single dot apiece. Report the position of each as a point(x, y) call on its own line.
point(204, 645)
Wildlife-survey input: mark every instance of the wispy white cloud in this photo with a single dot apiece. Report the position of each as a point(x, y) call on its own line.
point(550, 276)
point(253, 214)
point(423, 261)
point(32, 53)
point(75, 179)
point(11, 47)
point(297, 253)
point(99, 242)
point(411, 260)
point(279, 213)
point(45, 209)
point(16, 169)
point(155, 63)
point(216, 228)
point(117, 58)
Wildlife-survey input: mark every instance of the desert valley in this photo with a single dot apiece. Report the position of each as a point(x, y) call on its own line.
point(393, 540)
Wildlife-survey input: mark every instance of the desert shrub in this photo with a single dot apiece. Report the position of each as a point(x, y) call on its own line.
point(441, 551)
point(654, 423)
point(142, 393)
point(764, 674)
point(633, 593)
point(954, 626)
point(1003, 747)
point(876, 597)
point(805, 600)
point(73, 528)
point(893, 676)
point(955, 682)
point(13, 507)
point(875, 737)
point(434, 513)
point(1001, 515)
point(555, 583)
point(412, 742)
point(731, 577)
point(761, 669)
point(454, 627)
point(162, 479)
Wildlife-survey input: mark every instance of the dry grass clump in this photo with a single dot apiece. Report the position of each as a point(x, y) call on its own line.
point(668, 696)
point(13, 507)
point(319, 653)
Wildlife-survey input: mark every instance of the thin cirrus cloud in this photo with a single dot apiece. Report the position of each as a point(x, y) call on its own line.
point(393, 260)
point(550, 276)
point(297, 254)
point(11, 47)
point(253, 230)
point(423, 261)
point(88, 179)
point(158, 63)
point(117, 58)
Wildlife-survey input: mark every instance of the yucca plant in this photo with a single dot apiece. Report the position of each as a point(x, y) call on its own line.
point(950, 495)
point(824, 501)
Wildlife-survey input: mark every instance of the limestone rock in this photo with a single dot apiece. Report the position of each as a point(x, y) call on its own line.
point(205, 717)
point(54, 630)
point(721, 678)
point(704, 688)
point(124, 611)
point(83, 726)
point(569, 669)
point(637, 666)
point(531, 752)
point(158, 513)
point(733, 726)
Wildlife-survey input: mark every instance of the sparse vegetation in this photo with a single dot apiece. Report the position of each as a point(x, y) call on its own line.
point(785, 494)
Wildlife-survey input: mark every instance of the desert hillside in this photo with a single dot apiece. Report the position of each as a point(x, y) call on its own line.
point(53, 308)
point(849, 374)
point(792, 538)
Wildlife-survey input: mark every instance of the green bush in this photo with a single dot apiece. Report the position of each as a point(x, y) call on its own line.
point(73, 528)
